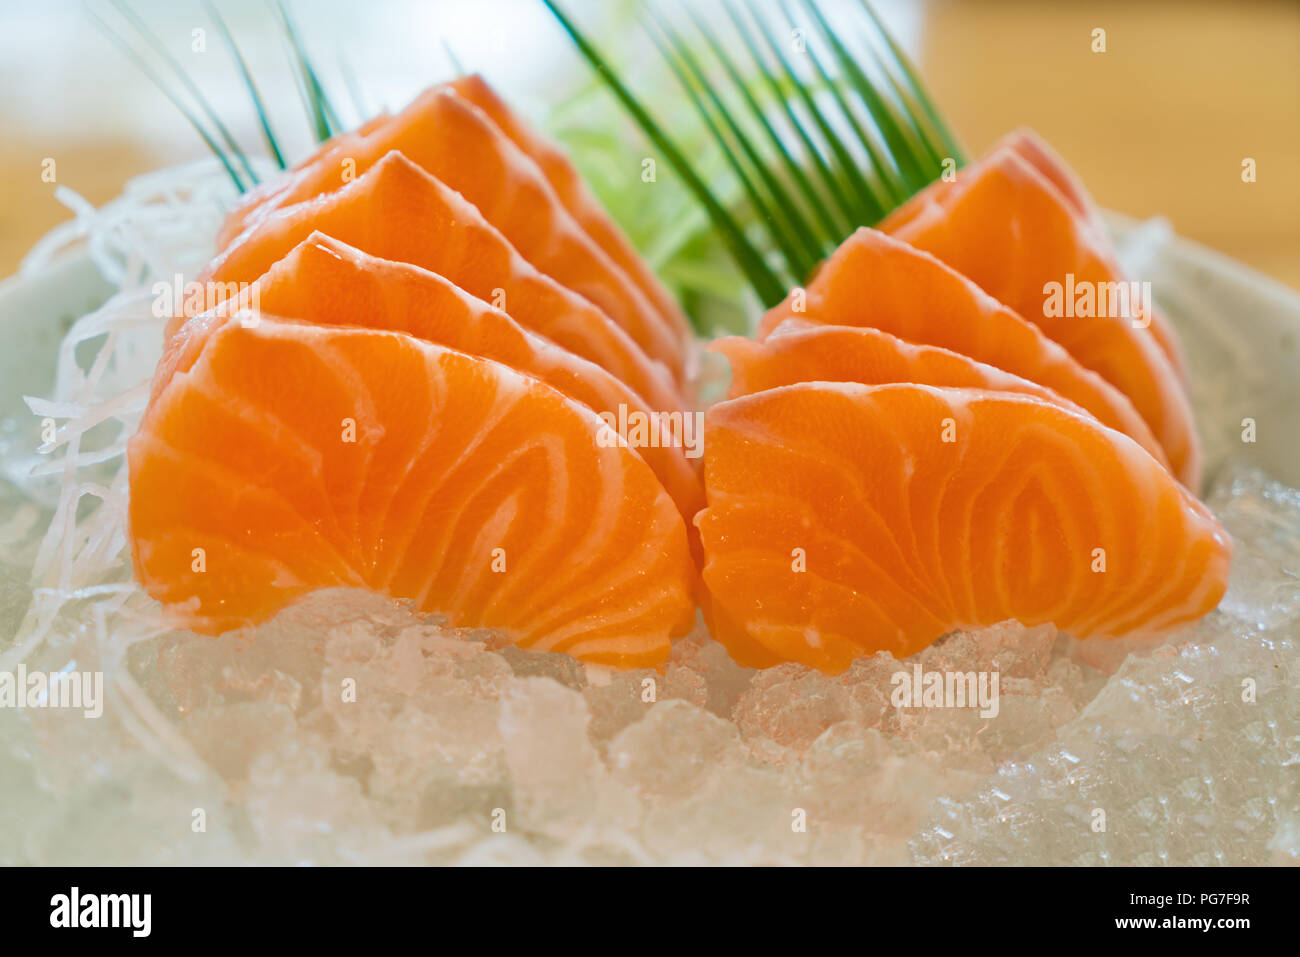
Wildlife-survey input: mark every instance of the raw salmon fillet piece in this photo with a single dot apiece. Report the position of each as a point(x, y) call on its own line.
point(455, 141)
point(327, 282)
point(904, 536)
point(1039, 154)
point(399, 212)
point(877, 281)
point(1007, 227)
point(572, 190)
point(298, 457)
point(801, 351)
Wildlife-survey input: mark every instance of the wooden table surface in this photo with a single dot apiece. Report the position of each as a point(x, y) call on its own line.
point(1158, 124)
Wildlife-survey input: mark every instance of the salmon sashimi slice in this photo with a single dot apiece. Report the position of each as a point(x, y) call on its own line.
point(284, 457)
point(801, 351)
point(458, 143)
point(910, 511)
point(573, 192)
point(1038, 153)
point(1035, 151)
point(327, 282)
point(1069, 188)
point(399, 212)
point(1005, 225)
point(877, 281)
point(261, 198)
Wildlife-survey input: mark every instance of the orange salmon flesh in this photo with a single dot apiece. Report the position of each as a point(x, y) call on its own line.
point(421, 348)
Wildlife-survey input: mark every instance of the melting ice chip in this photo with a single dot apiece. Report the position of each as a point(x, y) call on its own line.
point(1264, 587)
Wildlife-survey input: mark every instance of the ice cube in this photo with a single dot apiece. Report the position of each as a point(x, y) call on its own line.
point(671, 752)
point(787, 707)
point(553, 765)
point(1263, 517)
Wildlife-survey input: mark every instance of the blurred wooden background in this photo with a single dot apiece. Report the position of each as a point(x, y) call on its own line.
point(1158, 124)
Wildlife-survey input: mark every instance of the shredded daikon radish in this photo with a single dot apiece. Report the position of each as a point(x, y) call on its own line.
point(161, 227)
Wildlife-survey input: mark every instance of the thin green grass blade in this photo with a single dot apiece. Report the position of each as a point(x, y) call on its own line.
point(912, 107)
point(763, 211)
point(901, 139)
point(185, 111)
point(359, 104)
point(778, 209)
point(315, 122)
point(865, 203)
point(781, 200)
point(910, 114)
point(320, 99)
point(455, 60)
point(268, 135)
point(327, 107)
point(881, 168)
point(320, 113)
point(766, 284)
point(939, 129)
point(161, 48)
point(839, 201)
point(319, 96)
point(819, 245)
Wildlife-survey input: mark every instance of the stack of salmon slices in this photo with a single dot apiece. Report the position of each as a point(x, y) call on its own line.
point(410, 349)
point(401, 378)
point(937, 434)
